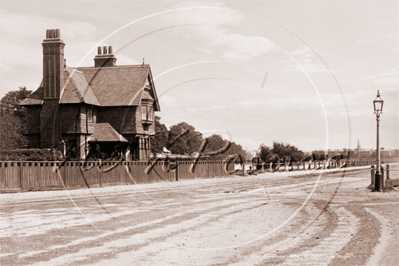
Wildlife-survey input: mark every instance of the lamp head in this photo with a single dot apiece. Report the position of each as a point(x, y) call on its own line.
point(378, 104)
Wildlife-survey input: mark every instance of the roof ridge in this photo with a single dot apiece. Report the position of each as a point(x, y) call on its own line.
point(72, 68)
point(138, 65)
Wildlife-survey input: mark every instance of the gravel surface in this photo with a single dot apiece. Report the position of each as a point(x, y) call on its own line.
point(289, 218)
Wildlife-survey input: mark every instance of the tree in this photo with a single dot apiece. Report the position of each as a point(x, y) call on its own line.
point(264, 152)
point(13, 120)
point(161, 136)
point(190, 142)
point(267, 155)
point(280, 151)
point(186, 144)
point(287, 152)
point(216, 142)
point(235, 149)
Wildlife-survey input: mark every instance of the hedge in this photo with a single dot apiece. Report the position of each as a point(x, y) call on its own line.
point(31, 155)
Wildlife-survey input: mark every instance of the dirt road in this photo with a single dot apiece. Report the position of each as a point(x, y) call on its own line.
point(267, 219)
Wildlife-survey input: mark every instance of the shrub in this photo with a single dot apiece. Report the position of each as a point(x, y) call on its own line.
point(31, 155)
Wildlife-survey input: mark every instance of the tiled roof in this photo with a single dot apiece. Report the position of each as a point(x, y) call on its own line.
point(106, 86)
point(77, 90)
point(36, 98)
point(105, 132)
point(146, 96)
point(118, 85)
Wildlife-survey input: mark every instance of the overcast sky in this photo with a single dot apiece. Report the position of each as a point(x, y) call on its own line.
point(299, 72)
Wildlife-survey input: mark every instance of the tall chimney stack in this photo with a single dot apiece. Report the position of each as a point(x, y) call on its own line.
point(53, 80)
point(104, 58)
point(53, 64)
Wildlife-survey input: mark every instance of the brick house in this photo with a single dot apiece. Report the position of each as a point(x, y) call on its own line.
point(104, 106)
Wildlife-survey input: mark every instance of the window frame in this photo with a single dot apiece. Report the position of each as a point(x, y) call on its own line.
point(147, 112)
point(89, 114)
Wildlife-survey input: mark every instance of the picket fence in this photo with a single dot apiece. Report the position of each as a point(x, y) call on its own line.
point(34, 176)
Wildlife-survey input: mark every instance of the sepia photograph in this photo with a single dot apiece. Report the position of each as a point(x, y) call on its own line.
point(199, 132)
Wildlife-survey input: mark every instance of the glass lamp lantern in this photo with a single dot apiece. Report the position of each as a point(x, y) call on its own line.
point(378, 103)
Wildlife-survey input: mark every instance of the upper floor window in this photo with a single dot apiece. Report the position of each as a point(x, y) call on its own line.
point(89, 113)
point(147, 113)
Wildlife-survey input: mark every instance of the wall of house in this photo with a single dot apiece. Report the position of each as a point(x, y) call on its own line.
point(83, 119)
point(121, 118)
point(91, 114)
point(33, 141)
point(50, 124)
point(76, 127)
point(70, 119)
point(33, 126)
point(33, 118)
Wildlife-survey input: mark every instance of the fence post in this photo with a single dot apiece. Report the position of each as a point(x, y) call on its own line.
point(372, 175)
point(177, 170)
point(20, 175)
point(387, 167)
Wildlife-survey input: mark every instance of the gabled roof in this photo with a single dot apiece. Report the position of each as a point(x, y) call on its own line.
point(76, 89)
point(119, 85)
point(103, 86)
point(105, 132)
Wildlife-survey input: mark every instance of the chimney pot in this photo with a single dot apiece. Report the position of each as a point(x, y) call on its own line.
point(57, 33)
point(104, 58)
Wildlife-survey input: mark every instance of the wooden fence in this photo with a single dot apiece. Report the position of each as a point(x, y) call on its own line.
point(296, 166)
point(31, 176)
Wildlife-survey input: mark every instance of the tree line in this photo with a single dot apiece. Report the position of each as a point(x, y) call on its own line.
point(190, 142)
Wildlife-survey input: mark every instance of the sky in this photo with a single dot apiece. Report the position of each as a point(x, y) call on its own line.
point(298, 72)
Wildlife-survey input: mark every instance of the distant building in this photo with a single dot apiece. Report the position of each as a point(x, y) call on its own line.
point(365, 153)
point(387, 153)
point(87, 107)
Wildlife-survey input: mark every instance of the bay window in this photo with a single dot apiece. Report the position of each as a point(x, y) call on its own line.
point(147, 113)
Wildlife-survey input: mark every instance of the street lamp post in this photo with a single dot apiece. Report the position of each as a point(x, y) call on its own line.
point(378, 103)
